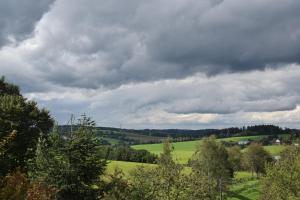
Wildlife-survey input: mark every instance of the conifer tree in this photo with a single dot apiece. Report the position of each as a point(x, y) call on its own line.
point(26, 120)
point(71, 164)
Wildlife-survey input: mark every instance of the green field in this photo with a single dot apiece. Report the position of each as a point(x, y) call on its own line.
point(245, 189)
point(183, 151)
point(275, 149)
point(244, 186)
point(125, 166)
point(112, 140)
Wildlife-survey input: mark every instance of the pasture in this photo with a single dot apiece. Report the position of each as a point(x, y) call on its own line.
point(183, 151)
point(244, 185)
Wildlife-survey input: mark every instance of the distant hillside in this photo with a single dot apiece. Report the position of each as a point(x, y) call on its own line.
point(133, 136)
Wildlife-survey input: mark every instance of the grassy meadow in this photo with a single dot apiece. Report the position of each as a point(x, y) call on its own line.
point(244, 186)
point(183, 151)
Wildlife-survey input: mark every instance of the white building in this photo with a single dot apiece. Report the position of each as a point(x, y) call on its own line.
point(243, 142)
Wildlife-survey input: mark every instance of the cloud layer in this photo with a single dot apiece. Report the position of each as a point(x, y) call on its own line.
point(184, 63)
point(18, 18)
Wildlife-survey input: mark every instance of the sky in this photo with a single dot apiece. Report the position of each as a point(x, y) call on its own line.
point(156, 64)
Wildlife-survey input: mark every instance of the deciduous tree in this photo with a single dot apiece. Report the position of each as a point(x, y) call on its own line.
point(282, 180)
point(235, 157)
point(255, 159)
point(211, 170)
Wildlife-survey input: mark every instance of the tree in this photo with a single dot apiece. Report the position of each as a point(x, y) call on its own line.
point(5, 142)
point(73, 164)
point(145, 183)
point(255, 159)
point(164, 182)
point(118, 187)
point(26, 120)
point(170, 174)
point(235, 157)
point(212, 169)
point(282, 180)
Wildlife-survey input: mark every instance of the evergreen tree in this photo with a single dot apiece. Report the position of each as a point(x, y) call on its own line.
point(73, 164)
point(26, 120)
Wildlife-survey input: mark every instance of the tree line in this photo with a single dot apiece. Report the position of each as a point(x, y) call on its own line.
point(183, 134)
point(123, 152)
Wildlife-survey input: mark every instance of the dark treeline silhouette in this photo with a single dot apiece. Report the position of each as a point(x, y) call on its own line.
point(124, 152)
point(185, 134)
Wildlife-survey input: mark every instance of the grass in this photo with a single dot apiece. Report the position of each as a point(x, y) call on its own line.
point(275, 149)
point(247, 189)
point(236, 139)
point(112, 140)
point(183, 151)
point(125, 166)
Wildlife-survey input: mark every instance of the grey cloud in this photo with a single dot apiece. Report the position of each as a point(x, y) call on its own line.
point(150, 62)
point(232, 36)
point(18, 18)
point(108, 44)
point(177, 101)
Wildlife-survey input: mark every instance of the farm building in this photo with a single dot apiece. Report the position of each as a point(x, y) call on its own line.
point(243, 142)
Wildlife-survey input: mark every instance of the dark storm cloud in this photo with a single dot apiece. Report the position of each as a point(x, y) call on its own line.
point(18, 18)
point(111, 43)
point(231, 36)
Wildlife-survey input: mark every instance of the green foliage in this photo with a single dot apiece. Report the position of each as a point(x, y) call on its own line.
point(126, 153)
point(5, 142)
point(125, 166)
point(9, 89)
point(235, 157)
point(145, 182)
point(118, 187)
point(183, 151)
point(73, 164)
point(166, 181)
point(26, 120)
point(282, 180)
point(212, 169)
point(255, 159)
